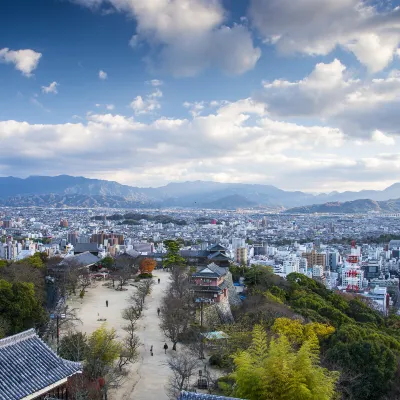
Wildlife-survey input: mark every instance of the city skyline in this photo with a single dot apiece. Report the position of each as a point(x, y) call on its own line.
point(163, 91)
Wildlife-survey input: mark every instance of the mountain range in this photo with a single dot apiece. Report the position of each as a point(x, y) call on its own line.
point(350, 207)
point(70, 191)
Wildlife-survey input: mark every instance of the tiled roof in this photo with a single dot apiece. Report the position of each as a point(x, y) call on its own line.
point(217, 247)
point(28, 365)
point(218, 256)
point(211, 271)
point(201, 396)
point(82, 247)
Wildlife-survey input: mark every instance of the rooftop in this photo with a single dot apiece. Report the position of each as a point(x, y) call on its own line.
point(28, 365)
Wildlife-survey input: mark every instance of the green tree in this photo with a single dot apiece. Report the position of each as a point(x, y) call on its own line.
point(19, 306)
point(258, 275)
point(107, 262)
point(173, 257)
point(74, 346)
point(103, 350)
point(276, 371)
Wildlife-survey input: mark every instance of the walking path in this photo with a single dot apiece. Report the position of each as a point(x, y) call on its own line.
point(147, 378)
point(153, 373)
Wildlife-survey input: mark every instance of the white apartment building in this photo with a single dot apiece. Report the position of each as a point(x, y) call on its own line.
point(291, 264)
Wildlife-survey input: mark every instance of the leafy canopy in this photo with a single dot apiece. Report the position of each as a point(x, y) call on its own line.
point(276, 371)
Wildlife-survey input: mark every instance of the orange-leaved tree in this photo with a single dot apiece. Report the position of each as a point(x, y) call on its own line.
point(147, 265)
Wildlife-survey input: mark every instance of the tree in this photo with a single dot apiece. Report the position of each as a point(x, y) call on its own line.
point(173, 257)
point(175, 319)
point(180, 283)
point(107, 262)
point(103, 350)
point(183, 366)
point(298, 333)
point(131, 342)
point(147, 265)
point(276, 371)
point(74, 346)
point(19, 306)
point(258, 275)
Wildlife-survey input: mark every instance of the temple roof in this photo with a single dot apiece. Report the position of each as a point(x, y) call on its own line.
point(217, 247)
point(211, 271)
point(218, 256)
point(28, 365)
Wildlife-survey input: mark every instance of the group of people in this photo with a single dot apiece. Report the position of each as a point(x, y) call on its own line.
point(158, 313)
point(165, 349)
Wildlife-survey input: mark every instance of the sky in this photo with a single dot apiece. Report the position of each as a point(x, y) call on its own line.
point(303, 95)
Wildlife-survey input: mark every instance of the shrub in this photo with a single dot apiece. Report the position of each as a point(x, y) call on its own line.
point(145, 276)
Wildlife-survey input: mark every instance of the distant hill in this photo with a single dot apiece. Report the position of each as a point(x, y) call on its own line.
point(349, 207)
point(230, 203)
point(80, 191)
point(73, 200)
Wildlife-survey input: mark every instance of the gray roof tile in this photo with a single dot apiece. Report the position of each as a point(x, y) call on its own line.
point(28, 365)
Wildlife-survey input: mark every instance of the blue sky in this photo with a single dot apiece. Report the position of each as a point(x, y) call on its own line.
point(300, 95)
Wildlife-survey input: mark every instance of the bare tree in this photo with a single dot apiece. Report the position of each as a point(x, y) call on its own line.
point(183, 366)
point(143, 289)
point(179, 282)
point(175, 319)
point(129, 353)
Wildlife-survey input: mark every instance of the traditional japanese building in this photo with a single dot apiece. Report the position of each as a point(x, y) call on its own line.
point(215, 254)
point(29, 369)
point(209, 283)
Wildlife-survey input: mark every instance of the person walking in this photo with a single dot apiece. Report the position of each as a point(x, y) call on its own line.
point(151, 350)
point(159, 280)
point(165, 348)
point(106, 303)
point(158, 311)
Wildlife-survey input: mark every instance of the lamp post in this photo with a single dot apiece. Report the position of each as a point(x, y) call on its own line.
point(57, 317)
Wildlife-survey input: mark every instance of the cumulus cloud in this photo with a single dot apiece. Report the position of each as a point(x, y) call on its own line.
point(25, 60)
point(188, 36)
point(316, 27)
point(52, 88)
point(237, 141)
point(333, 95)
point(103, 75)
point(148, 104)
point(380, 137)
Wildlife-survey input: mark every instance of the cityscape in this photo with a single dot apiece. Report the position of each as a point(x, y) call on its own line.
point(199, 200)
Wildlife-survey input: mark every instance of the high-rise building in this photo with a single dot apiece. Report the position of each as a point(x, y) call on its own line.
point(241, 255)
point(315, 258)
point(238, 242)
point(72, 238)
point(291, 264)
point(113, 238)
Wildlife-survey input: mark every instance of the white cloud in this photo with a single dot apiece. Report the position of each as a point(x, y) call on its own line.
point(332, 95)
point(236, 142)
point(148, 104)
point(380, 137)
point(52, 88)
point(110, 107)
point(316, 27)
point(190, 35)
point(25, 60)
point(103, 75)
point(155, 82)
